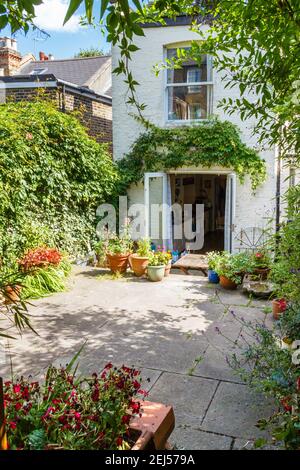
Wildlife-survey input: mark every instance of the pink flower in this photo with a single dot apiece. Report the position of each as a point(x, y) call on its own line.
point(77, 415)
point(17, 388)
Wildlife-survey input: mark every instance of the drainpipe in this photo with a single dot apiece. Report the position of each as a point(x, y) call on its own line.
point(63, 100)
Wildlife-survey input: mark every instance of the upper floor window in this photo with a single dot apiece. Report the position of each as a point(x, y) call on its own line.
point(189, 89)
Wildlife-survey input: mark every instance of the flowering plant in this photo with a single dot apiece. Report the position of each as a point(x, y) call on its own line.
point(160, 258)
point(261, 259)
point(40, 258)
point(73, 413)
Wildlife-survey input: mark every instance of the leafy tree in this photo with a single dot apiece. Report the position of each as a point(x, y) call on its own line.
point(90, 52)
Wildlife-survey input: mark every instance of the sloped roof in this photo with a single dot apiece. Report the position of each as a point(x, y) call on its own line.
point(78, 71)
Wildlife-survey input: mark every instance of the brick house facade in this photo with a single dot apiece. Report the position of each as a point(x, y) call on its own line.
point(18, 84)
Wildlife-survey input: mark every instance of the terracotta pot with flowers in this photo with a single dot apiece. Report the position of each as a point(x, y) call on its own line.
point(139, 260)
point(261, 264)
point(118, 252)
point(279, 306)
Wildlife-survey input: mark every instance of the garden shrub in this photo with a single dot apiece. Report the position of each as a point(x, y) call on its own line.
point(53, 176)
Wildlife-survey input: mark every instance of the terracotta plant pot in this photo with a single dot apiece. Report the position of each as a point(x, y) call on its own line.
point(156, 273)
point(12, 294)
point(155, 424)
point(168, 269)
point(262, 273)
point(227, 283)
point(278, 307)
point(117, 263)
point(138, 264)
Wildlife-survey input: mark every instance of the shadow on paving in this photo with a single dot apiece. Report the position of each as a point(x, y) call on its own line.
point(169, 330)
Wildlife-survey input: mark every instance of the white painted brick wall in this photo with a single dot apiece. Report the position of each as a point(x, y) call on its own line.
point(251, 210)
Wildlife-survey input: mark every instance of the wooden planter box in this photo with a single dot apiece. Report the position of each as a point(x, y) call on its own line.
point(155, 425)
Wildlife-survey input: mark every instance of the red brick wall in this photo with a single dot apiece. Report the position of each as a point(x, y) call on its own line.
point(94, 115)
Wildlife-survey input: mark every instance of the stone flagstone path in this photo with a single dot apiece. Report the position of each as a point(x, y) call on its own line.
point(170, 331)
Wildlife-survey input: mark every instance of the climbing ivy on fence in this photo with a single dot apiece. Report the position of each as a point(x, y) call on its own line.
point(52, 178)
point(213, 143)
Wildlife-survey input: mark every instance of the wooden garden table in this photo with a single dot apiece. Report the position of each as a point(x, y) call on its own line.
point(190, 261)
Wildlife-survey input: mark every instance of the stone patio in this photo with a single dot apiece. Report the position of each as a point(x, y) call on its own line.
point(166, 329)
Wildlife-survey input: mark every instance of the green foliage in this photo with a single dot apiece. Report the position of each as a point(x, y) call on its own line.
point(212, 259)
point(90, 52)
point(144, 247)
point(120, 245)
point(268, 368)
point(53, 176)
point(289, 323)
point(159, 258)
point(44, 281)
point(285, 272)
point(233, 266)
point(208, 144)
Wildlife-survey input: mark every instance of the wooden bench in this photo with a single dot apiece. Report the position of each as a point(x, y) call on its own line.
point(190, 261)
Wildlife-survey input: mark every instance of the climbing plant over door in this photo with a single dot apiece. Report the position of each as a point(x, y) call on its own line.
point(213, 143)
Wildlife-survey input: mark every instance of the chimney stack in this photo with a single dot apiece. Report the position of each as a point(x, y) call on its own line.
point(43, 56)
point(10, 58)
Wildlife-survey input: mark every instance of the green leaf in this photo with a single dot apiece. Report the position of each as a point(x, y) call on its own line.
point(74, 5)
point(104, 4)
point(138, 5)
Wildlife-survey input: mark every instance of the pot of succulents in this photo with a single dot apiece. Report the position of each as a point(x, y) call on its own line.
point(156, 266)
point(139, 260)
point(118, 252)
point(279, 306)
point(212, 275)
point(261, 264)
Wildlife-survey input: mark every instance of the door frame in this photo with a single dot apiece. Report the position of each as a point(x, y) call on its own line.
point(230, 186)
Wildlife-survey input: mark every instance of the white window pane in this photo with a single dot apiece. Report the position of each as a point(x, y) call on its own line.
point(189, 102)
point(190, 71)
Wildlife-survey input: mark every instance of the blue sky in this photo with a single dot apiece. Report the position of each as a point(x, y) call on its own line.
point(63, 41)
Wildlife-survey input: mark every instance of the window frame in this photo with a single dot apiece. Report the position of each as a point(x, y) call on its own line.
point(167, 85)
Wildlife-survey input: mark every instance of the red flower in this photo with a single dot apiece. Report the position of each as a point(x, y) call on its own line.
point(126, 419)
point(259, 255)
point(18, 406)
point(136, 384)
point(135, 406)
point(12, 425)
point(17, 388)
point(108, 366)
point(119, 441)
point(40, 257)
point(286, 403)
point(77, 415)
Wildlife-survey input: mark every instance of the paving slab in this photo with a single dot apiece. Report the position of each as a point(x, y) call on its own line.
point(190, 396)
point(235, 411)
point(187, 438)
point(214, 364)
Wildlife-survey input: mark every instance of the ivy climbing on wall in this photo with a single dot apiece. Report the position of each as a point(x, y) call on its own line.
point(213, 143)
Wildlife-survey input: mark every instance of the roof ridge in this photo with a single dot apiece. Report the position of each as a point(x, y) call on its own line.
point(73, 58)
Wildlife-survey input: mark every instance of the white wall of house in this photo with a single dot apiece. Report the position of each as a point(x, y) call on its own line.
point(251, 209)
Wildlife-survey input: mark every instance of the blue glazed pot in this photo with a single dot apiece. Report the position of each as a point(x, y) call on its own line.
point(213, 277)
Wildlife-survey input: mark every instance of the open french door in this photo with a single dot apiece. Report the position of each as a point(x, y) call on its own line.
point(157, 199)
point(230, 202)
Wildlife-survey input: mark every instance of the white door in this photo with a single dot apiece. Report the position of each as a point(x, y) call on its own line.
point(157, 198)
point(230, 202)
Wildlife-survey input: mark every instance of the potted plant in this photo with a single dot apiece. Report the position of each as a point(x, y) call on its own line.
point(168, 266)
point(156, 266)
point(261, 264)
point(118, 252)
point(212, 258)
point(231, 268)
point(289, 323)
point(139, 260)
point(278, 307)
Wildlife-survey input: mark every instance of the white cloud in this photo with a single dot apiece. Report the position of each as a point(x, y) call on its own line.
point(50, 16)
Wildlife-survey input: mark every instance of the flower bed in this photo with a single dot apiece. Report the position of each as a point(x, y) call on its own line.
point(73, 413)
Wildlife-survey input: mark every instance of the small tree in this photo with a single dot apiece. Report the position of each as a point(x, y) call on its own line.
point(90, 52)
